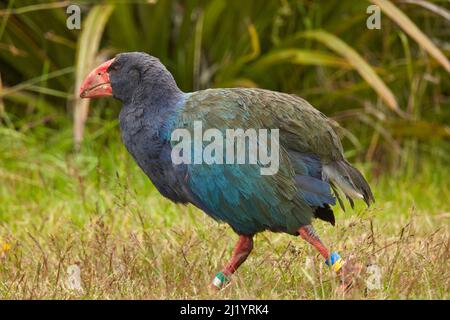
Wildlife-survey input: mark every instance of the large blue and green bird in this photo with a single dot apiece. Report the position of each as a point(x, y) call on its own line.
point(311, 174)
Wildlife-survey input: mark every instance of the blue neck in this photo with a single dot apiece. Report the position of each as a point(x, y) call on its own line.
point(154, 113)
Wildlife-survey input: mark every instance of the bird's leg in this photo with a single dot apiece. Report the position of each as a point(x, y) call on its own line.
point(309, 234)
point(333, 260)
point(240, 253)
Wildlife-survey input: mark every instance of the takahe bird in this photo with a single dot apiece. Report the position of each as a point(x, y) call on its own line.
point(312, 167)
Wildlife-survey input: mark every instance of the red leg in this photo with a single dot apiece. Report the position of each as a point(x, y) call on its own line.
point(309, 234)
point(344, 270)
point(240, 253)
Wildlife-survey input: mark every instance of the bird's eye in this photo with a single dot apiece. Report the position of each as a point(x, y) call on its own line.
point(114, 67)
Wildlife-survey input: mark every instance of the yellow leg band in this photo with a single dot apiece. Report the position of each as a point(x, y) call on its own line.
point(335, 262)
point(337, 265)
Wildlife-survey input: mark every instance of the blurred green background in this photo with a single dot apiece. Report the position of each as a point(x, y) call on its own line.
point(387, 88)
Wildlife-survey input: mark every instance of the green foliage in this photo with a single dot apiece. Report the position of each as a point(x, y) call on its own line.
point(321, 51)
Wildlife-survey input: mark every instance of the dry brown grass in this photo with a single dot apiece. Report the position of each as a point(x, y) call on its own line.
point(149, 261)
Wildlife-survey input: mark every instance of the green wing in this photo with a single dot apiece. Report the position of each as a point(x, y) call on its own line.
point(239, 194)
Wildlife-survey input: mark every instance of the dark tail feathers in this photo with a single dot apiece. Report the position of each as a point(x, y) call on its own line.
point(347, 178)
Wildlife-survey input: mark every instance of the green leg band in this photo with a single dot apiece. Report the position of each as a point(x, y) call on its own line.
point(220, 280)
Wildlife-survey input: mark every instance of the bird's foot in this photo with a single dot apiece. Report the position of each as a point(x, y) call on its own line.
point(349, 273)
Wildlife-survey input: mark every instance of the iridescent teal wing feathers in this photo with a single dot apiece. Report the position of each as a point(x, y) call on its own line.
point(239, 194)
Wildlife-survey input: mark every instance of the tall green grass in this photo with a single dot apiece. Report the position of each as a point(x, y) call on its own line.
point(388, 87)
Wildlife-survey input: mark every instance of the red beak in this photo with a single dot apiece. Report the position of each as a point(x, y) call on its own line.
point(97, 82)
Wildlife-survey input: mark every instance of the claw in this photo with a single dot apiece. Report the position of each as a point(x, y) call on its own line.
point(348, 274)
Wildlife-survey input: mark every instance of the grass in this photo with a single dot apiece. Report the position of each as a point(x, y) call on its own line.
point(97, 210)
